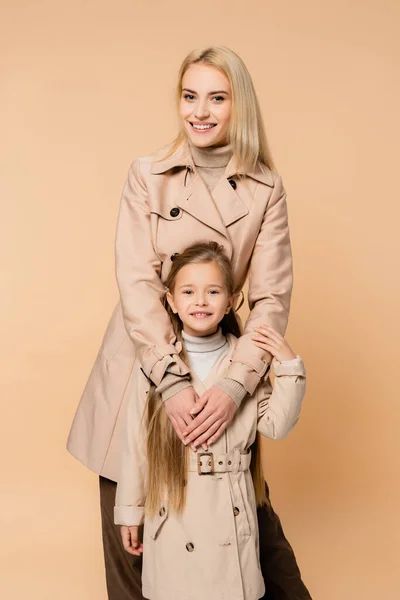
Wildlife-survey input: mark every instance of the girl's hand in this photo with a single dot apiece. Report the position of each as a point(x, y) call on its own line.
point(268, 339)
point(130, 540)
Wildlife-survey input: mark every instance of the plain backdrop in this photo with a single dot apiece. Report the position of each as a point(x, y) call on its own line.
point(85, 87)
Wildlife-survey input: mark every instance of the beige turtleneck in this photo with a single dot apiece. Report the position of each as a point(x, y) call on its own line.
point(211, 163)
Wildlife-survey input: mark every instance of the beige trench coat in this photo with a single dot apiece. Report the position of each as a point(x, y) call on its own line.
point(165, 207)
point(211, 551)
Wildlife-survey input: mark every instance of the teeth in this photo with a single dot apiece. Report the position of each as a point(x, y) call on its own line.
point(200, 314)
point(201, 127)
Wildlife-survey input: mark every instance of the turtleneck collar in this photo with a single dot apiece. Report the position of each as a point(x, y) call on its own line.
point(209, 343)
point(211, 157)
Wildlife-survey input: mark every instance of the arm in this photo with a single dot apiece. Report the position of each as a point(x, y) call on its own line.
point(270, 288)
point(279, 408)
point(138, 269)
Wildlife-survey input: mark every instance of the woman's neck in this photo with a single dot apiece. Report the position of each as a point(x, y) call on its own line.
point(211, 156)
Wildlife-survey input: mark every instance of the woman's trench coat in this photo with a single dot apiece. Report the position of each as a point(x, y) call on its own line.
point(211, 550)
point(165, 207)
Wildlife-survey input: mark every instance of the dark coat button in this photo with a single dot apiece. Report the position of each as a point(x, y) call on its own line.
point(189, 547)
point(174, 255)
point(236, 511)
point(161, 512)
point(174, 212)
point(233, 183)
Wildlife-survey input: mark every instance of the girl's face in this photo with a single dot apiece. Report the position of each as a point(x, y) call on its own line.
point(206, 105)
point(200, 298)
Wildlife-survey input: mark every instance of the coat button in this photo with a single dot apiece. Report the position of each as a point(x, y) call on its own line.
point(189, 547)
point(174, 212)
point(236, 511)
point(174, 255)
point(233, 183)
point(161, 512)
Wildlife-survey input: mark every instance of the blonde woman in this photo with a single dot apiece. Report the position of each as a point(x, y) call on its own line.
point(215, 182)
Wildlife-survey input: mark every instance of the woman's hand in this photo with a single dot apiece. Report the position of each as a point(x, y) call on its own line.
point(178, 409)
point(130, 540)
point(215, 410)
point(268, 339)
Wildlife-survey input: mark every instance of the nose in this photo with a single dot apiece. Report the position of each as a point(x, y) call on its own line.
point(201, 300)
point(202, 111)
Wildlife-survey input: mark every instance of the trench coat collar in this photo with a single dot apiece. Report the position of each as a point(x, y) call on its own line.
point(182, 158)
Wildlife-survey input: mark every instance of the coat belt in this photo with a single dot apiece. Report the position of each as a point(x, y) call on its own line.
point(208, 463)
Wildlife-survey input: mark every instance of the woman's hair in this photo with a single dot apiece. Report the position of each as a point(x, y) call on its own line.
point(246, 133)
point(166, 454)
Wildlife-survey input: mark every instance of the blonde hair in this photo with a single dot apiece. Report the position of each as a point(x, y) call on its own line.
point(246, 132)
point(167, 456)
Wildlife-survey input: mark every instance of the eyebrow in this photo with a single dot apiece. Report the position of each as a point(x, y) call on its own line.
point(209, 93)
point(214, 285)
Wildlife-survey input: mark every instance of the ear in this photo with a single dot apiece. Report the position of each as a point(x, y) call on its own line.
point(231, 300)
point(170, 301)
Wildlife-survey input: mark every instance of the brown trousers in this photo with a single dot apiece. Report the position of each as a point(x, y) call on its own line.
point(123, 571)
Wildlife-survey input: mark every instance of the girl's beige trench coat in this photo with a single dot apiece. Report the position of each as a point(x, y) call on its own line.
point(211, 550)
point(165, 207)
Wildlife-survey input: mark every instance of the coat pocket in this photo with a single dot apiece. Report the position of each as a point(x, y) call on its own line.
point(153, 526)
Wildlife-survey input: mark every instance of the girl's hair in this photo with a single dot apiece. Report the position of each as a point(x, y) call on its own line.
point(166, 455)
point(246, 133)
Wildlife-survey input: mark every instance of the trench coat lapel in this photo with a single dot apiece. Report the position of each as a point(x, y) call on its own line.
point(230, 205)
point(196, 200)
point(219, 210)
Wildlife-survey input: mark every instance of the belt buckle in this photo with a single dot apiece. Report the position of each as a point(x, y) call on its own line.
point(210, 463)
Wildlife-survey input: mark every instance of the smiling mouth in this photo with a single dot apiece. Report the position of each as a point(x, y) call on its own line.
point(200, 315)
point(202, 127)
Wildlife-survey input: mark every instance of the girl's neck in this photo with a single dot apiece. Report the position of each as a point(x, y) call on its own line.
point(205, 343)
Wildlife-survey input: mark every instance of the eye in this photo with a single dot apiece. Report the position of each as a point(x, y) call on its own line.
point(214, 292)
point(219, 98)
point(187, 292)
point(188, 96)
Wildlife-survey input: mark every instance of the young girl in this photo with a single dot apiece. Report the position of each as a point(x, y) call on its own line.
point(199, 507)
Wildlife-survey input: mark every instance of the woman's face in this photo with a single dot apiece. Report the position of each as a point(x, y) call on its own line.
point(200, 298)
point(206, 105)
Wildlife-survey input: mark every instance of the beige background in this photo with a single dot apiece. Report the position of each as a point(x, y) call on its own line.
point(86, 86)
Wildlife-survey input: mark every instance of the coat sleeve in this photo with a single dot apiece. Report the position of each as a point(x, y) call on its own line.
point(138, 270)
point(132, 477)
point(270, 289)
point(279, 408)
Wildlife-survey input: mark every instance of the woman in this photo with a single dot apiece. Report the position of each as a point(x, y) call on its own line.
point(213, 183)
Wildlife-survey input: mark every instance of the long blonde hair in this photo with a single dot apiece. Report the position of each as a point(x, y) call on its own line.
point(246, 133)
point(167, 456)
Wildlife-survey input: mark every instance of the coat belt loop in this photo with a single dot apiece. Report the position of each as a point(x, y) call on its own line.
point(235, 461)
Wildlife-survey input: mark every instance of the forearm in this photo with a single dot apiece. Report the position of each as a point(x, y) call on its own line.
point(279, 411)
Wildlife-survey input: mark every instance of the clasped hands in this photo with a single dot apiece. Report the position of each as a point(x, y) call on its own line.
point(201, 421)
